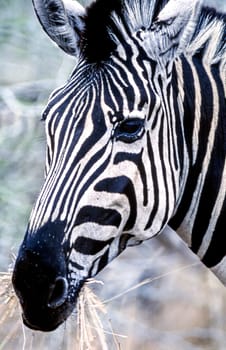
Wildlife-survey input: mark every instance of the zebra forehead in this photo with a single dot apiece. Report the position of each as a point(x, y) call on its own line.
point(104, 90)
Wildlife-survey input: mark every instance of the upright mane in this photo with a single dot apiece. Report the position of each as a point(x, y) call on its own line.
point(108, 24)
point(209, 36)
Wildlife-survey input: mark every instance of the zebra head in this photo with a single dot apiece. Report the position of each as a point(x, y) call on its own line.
point(116, 154)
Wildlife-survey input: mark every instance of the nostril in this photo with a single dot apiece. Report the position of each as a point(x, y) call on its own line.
point(58, 293)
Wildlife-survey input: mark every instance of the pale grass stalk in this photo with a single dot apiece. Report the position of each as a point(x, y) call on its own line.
point(90, 327)
point(150, 280)
point(112, 333)
point(24, 337)
point(90, 331)
point(8, 306)
point(10, 335)
point(115, 335)
point(8, 300)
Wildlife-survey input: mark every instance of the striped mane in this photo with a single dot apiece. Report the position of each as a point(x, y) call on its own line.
point(110, 23)
point(209, 36)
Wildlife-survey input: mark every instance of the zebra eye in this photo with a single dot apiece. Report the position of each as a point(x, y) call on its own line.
point(129, 130)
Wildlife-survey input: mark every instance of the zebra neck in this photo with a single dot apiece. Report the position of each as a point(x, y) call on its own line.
point(201, 212)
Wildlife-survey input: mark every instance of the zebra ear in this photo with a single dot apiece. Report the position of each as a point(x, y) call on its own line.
point(63, 21)
point(173, 29)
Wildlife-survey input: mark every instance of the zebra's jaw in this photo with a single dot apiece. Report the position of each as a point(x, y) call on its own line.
point(82, 266)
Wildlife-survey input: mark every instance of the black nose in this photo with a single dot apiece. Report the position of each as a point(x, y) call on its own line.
point(40, 278)
point(58, 293)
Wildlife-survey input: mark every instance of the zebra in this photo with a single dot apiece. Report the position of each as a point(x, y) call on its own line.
point(136, 141)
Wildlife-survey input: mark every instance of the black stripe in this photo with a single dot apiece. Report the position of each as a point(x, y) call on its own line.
point(207, 200)
point(137, 160)
point(155, 182)
point(98, 215)
point(76, 182)
point(84, 188)
point(89, 246)
point(122, 185)
point(189, 122)
point(216, 161)
point(76, 265)
point(123, 242)
point(217, 248)
point(103, 260)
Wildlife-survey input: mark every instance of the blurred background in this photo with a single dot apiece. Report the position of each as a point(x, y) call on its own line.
point(181, 307)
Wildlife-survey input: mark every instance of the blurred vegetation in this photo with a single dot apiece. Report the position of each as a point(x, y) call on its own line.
point(184, 309)
point(31, 67)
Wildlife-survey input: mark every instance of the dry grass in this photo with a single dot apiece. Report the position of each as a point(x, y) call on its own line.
point(8, 301)
point(9, 308)
point(186, 310)
point(90, 328)
point(197, 328)
point(89, 332)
